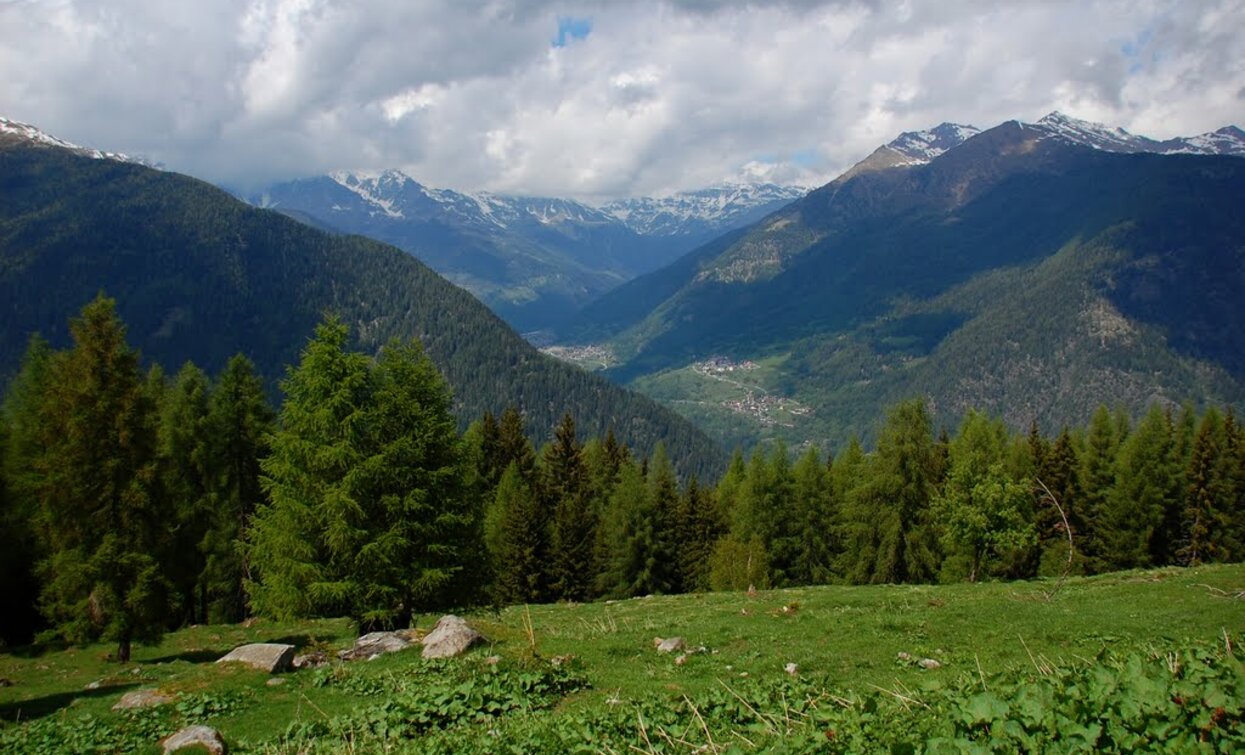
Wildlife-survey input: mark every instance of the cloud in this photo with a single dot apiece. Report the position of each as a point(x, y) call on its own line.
point(592, 98)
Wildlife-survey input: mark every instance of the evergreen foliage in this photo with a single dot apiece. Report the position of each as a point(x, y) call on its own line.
point(572, 534)
point(101, 513)
point(366, 480)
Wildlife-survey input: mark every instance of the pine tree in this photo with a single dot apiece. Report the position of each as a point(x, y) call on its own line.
point(1059, 471)
point(572, 534)
point(513, 445)
point(240, 422)
point(628, 534)
point(1129, 531)
point(99, 506)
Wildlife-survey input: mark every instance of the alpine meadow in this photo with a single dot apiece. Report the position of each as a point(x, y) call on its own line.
point(585, 377)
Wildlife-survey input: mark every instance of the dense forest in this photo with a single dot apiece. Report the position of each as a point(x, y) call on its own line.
point(134, 502)
point(199, 276)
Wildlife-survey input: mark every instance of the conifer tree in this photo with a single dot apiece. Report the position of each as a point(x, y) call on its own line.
point(1097, 482)
point(813, 521)
point(1204, 522)
point(1129, 521)
point(367, 514)
point(662, 559)
point(19, 551)
point(520, 540)
point(184, 439)
point(890, 537)
point(628, 534)
point(240, 422)
point(514, 446)
point(700, 527)
point(100, 509)
point(572, 533)
point(1059, 472)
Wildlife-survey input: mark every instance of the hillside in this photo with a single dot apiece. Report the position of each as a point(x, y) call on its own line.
point(534, 260)
point(1133, 661)
point(199, 276)
point(1025, 271)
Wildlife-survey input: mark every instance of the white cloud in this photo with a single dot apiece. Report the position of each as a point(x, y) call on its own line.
point(656, 96)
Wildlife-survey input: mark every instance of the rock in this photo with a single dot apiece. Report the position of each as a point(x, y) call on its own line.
point(904, 656)
point(272, 657)
point(450, 637)
point(204, 737)
point(310, 660)
point(275, 681)
point(93, 685)
point(929, 663)
point(792, 668)
point(375, 644)
point(143, 698)
point(6, 682)
point(493, 660)
point(671, 645)
point(680, 660)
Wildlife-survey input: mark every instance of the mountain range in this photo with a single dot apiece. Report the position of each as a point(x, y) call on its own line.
point(534, 260)
point(199, 275)
point(1034, 270)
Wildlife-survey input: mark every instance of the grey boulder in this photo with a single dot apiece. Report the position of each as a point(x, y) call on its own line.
point(204, 737)
point(450, 637)
point(272, 657)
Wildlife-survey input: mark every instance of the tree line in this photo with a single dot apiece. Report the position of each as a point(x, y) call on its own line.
point(133, 502)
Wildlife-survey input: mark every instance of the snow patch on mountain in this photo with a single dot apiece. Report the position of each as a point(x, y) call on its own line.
point(1228, 140)
point(688, 212)
point(34, 134)
point(920, 147)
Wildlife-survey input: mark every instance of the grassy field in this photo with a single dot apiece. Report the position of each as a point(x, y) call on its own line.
point(588, 677)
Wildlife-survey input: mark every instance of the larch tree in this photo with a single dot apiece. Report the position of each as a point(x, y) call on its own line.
point(100, 512)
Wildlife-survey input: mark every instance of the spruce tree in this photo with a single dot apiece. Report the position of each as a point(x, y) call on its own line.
point(513, 445)
point(700, 527)
point(1129, 520)
point(240, 422)
point(813, 521)
point(1097, 481)
point(572, 534)
point(184, 439)
point(1059, 471)
point(628, 536)
point(663, 486)
point(520, 540)
point(1204, 523)
point(100, 512)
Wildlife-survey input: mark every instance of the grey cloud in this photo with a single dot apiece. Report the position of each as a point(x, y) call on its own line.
point(659, 96)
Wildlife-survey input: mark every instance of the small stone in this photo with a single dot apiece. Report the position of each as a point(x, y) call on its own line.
point(314, 659)
point(561, 660)
point(671, 645)
point(680, 660)
point(276, 681)
point(493, 660)
point(143, 698)
point(928, 663)
point(904, 656)
point(792, 668)
point(272, 657)
point(204, 737)
point(374, 644)
point(93, 685)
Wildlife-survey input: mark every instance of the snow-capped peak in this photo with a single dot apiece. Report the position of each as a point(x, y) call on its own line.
point(34, 134)
point(920, 147)
point(1228, 140)
point(721, 207)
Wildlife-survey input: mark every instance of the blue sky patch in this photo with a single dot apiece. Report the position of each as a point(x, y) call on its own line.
point(570, 28)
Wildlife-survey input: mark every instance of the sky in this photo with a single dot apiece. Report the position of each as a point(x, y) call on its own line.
point(596, 99)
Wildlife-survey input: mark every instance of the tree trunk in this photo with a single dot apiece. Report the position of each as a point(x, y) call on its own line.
point(123, 650)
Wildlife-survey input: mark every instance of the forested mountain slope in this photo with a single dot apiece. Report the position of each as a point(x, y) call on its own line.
point(1022, 271)
point(199, 275)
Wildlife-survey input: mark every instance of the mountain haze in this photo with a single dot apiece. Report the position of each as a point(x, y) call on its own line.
point(199, 275)
point(534, 260)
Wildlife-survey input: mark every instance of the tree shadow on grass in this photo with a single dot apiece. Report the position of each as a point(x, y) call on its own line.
point(38, 707)
point(203, 655)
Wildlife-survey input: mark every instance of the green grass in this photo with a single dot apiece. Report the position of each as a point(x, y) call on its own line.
point(845, 640)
